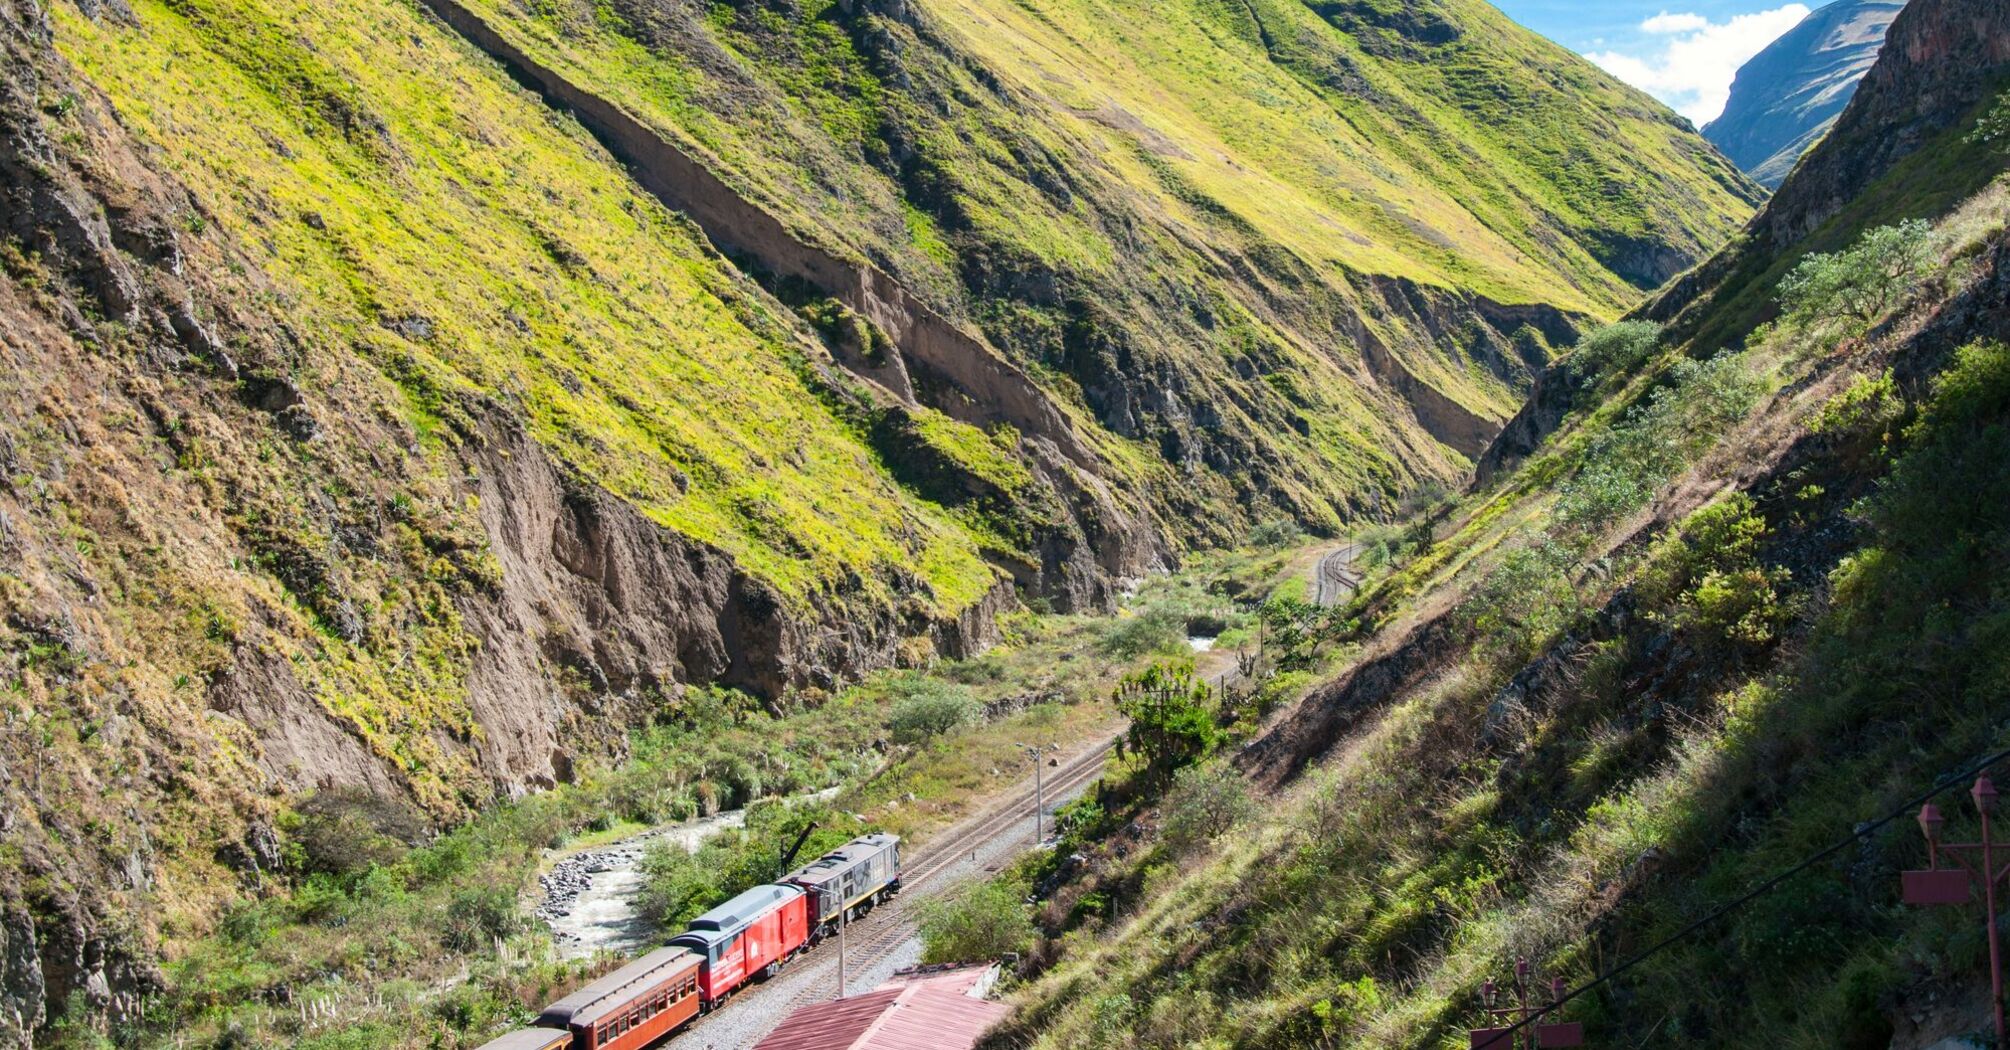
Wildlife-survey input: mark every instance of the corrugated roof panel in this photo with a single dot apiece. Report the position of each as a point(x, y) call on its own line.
point(922, 1011)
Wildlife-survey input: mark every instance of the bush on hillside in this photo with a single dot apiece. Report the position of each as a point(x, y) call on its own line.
point(980, 924)
point(1623, 467)
point(925, 708)
point(1205, 803)
point(346, 831)
point(1614, 349)
point(1861, 282)
point(479, 915)
point(1994, 127)
point(1525, 600)
point(1275, 533)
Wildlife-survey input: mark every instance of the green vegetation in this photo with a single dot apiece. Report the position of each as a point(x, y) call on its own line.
point(1204, 803)
point(904, 141)
point(366, 926)
point(659, 377)
point(1862, 282)
point(1638, 717)
point(981, 923)
point(925, 708)
point(1171, 724)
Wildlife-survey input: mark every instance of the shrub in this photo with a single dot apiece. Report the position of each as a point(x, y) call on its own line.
point(1742, 606)
point(1658, 437)
point(1275, 533)
point(1864, 418)
point(1860, 282)
point(1994, 127)
point(477, 915)
point(344, 831)
point(1614, 349)
point(1527, 598)
point(1152, 631)
point(980, 924)
point(925, 708)
point(1204, 803)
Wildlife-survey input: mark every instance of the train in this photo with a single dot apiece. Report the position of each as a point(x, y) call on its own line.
point(749, 938)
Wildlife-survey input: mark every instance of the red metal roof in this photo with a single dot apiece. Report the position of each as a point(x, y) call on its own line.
point(925, 1010)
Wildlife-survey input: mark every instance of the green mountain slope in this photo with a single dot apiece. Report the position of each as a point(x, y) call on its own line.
point(1747, 599)
point(1203, 270)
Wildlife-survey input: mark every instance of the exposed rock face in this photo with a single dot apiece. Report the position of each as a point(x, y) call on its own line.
point(934, 361)
point(1786, 98)
point(1552, 398)
point(1941, 58)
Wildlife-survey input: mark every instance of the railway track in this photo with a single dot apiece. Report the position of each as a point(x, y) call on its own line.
point(1336, 579)
point(873, 937)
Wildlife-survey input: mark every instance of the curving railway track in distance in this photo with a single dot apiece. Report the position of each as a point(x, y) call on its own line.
point(1335, 580)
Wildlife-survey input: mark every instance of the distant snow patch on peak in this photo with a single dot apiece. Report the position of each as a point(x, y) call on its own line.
point(1688, 61)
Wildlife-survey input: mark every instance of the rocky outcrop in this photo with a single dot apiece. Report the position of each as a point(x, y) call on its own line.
point(1553, 396)
point(229, 575)
point(1787, 96)
point(1941, 59)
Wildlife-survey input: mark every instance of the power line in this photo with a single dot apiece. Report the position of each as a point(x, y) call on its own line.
point(1504, 1037)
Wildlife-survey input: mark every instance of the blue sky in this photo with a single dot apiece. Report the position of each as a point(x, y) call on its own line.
point(1683, 52)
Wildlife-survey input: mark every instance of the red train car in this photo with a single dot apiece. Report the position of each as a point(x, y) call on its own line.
point(750, 936)
point(633, 1006)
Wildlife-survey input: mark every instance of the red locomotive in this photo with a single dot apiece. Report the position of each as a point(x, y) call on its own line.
point(751, 935)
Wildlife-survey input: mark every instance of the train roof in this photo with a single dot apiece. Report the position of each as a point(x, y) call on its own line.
point(529, 1039)
point(585, 1006)
point(841, 858)
point(732, 917)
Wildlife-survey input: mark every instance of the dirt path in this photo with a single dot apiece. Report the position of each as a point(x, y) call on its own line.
point(885, 940)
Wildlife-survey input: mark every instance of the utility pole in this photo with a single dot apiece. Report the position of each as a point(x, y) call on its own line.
point(844, 920)
point(1039, 786)
point(1955, 886)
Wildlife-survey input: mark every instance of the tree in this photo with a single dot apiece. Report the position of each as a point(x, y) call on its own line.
point(1860, 282)
point(1171, 726)
point(1994, 127)
point(925, 707)
point(1615, 348)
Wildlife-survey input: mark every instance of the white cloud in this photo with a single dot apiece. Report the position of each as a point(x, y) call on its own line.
point(1682, 23)
point(1689, 61)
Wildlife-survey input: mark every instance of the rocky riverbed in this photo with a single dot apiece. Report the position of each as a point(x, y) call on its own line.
point(590, 897)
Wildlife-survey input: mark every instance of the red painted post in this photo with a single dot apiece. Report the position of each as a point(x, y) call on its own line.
point(1955, 886)
point(1985, 803)
point(1531, 1036)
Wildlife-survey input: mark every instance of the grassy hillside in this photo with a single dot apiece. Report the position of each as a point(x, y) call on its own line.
point(1740, 605)
point(414, 207)
point(1186, 222)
